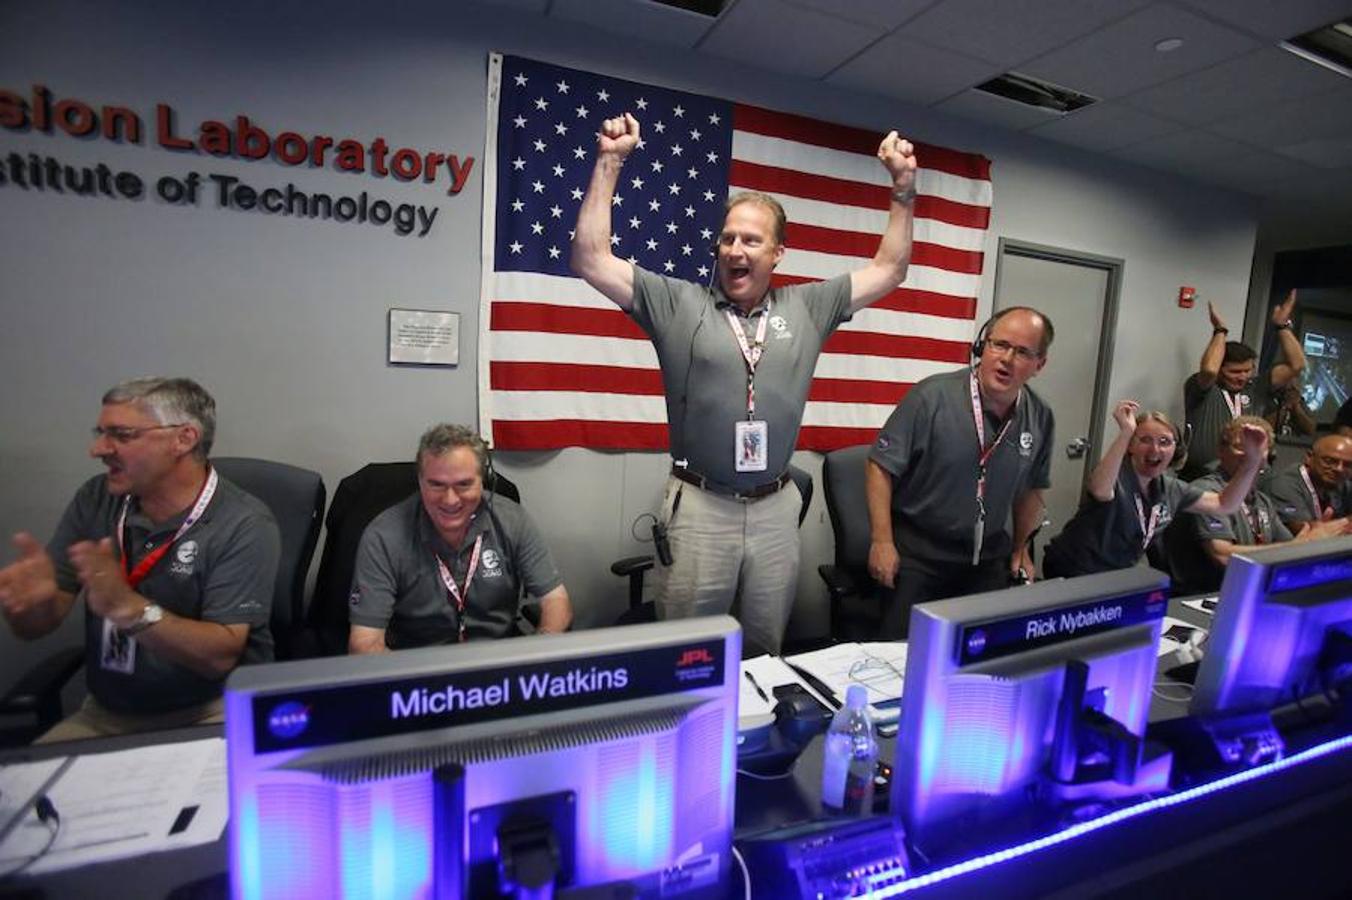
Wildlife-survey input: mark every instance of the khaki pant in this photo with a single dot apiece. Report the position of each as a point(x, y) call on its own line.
point(93, 720)
point(723, 549)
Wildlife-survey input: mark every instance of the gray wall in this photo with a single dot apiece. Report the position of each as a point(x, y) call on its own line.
point(285, 321)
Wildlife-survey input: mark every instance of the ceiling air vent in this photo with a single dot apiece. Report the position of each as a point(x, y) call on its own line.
point(1039, 94)
point(709, 8)
point(1330, 47)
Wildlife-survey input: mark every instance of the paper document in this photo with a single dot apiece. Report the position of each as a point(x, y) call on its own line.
point(879, 666)
point(1205, 605)
point(1175, 633)
point(116, 805)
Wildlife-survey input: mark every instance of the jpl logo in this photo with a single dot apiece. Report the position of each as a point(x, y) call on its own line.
point(289, 719)
point(694, 657)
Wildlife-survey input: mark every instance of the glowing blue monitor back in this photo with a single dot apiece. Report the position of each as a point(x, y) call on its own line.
point(1276, 606)
point(331, 761)
point(984, 676)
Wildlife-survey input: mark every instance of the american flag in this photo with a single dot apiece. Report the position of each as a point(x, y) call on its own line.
point(560, 365)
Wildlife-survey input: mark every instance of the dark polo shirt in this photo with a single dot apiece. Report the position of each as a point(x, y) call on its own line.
point(1294, 502)
point(704, 372)
point(1104, 536)
point(929, 446)
point(1257, 523)
point(397, 586)
point(1206, 411)
point(222, 570)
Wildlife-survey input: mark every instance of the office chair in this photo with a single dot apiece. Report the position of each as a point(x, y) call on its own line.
point(295, 496)
point(856, 599)
point(359, 498)
point(635, 567)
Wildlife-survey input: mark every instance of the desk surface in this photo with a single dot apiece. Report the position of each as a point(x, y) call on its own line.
point(1234, 832)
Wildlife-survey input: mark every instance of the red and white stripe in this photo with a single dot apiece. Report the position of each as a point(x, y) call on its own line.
point(565, 367)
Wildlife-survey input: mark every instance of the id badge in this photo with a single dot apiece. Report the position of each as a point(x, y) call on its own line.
point(118, 653)
point(752, 440)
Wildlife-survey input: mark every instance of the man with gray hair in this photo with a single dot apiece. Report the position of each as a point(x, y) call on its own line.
point(448, 564)
point(737, 362)
point(175, 565)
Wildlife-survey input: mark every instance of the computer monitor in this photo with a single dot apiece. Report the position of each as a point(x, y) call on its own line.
point(1283, 616)
point(608, 755)
point(1021, 701)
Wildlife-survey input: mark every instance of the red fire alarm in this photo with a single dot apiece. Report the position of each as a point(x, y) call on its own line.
point(1186, 295)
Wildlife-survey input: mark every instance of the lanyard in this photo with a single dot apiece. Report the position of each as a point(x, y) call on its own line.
point(751, 353)
point(456, 593)
point(984, 455)
point(1147, 529)
point(1258, 520)
point(1314, 495)
point(1233, 403)
point(137, 575)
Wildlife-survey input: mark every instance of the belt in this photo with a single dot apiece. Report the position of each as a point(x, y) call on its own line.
point(704, 484)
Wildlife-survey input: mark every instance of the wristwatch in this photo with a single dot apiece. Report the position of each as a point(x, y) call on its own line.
point(1283, 326)
point(152, 613)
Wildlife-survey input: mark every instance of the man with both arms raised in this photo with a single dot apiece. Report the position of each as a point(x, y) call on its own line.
point(737, 360)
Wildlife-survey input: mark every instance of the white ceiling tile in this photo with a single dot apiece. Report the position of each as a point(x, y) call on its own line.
point(782, 38)
point(1294, 122)
point(991, 110)
point(1183, 151)
point(1272, 18)
point(899, 67)
point(1121, 58)
point(1012, 31)
point(1255, 81)
point(1106, 126)
point(886, 14)
point(651, 21)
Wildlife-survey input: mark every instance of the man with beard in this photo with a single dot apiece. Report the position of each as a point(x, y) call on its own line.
point(1317, 489)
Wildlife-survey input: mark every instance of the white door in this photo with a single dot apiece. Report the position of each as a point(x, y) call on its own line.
point(1075, 292)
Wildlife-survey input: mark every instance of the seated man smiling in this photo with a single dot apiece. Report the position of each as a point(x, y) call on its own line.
point(449, 563)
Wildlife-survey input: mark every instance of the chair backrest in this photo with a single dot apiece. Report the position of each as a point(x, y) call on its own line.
point(359, 498)
point(847, 504)
point(296, 498)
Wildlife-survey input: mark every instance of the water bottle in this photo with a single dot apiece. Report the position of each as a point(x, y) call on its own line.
point(851, 755)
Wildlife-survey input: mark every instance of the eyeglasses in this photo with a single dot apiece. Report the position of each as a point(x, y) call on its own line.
point(122, 435)
point(1022, 354)
point(1333, 462)
point(1164, 442)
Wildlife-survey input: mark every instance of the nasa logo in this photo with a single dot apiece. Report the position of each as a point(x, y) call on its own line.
point(976, 642)
point(186, 552)
point(288, 720)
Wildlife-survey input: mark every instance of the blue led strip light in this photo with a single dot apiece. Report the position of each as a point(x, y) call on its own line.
point(1061, 837)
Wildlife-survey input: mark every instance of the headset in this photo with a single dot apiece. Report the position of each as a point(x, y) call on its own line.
point(979, 344)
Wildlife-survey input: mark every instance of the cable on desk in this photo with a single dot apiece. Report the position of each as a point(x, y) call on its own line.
point(779, 777)
point(746, 876)
point(47, 814)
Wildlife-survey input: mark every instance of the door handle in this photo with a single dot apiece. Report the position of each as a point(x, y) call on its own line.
point(1077, 448)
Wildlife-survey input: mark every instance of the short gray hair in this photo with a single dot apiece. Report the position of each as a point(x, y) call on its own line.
point(443, 438)
point(172, 401)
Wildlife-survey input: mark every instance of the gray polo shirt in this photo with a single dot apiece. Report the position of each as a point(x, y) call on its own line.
point(1294, 503)
point(929, 446)
point(1257, 523)
point(397, 586)
point(222, 570)
point(1206, 411)
point(1106, 536)
point(705, 373)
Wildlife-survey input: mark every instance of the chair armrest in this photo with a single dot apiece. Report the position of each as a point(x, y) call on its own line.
point(39, 690)
point(840, 582)
point(631, 565)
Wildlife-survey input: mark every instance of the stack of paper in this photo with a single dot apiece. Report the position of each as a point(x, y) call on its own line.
point(880, 667)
